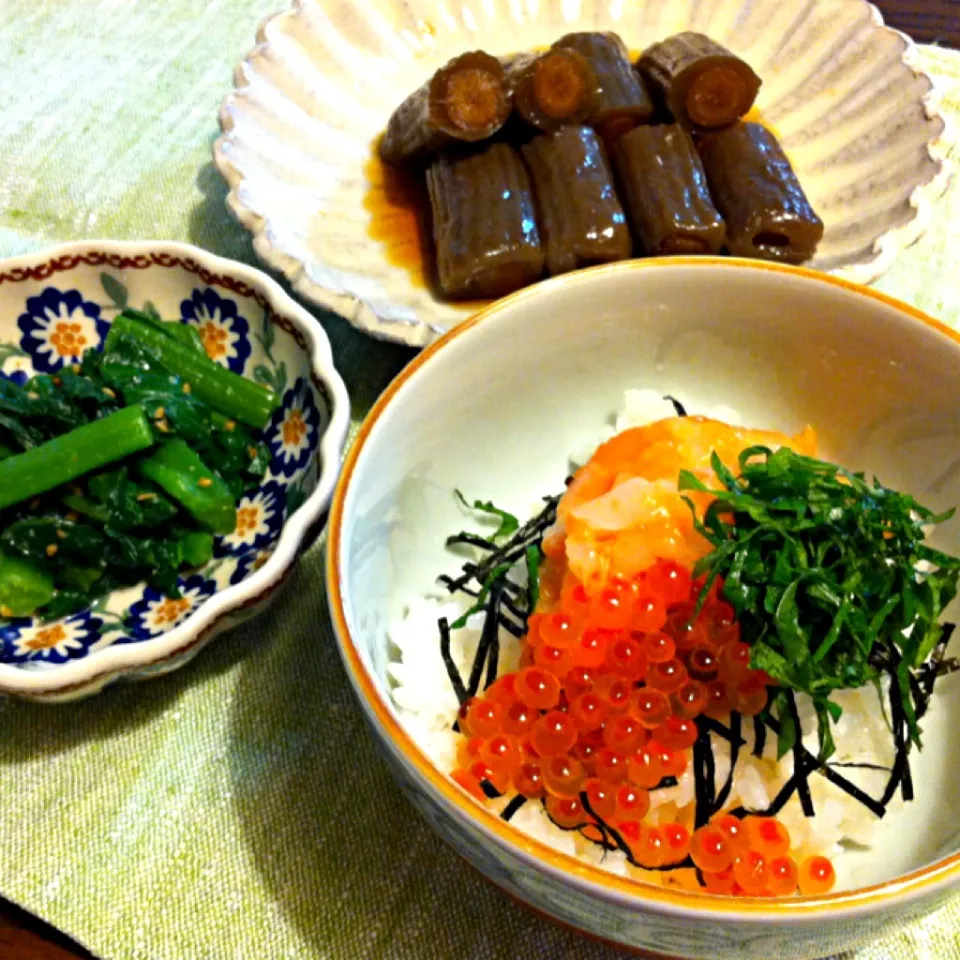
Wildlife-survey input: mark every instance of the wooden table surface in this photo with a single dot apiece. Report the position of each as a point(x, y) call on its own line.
point(24, 937)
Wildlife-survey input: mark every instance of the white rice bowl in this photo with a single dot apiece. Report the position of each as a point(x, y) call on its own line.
point(427, 707)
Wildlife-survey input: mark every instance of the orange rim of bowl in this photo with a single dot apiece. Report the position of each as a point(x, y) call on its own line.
point(915, 882)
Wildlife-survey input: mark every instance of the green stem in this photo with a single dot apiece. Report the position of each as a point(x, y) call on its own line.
point(24, 588)
point(183, 333)
point(231, 394)
point(80, 504)
point(197, 548)
point(67, 457)
point(177, 470)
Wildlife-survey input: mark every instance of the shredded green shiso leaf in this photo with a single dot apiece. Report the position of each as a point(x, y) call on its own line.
point(829, 576)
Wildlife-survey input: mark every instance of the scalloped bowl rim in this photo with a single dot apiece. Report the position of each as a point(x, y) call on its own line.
point(421, 333)
point(441, 790)
point(114, 661)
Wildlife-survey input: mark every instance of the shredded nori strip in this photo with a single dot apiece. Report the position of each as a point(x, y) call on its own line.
point(514, 549)
point(715, 726)
point(799, 767)
point(684, 864)
point(677, 405)
point(900, 775)
point(491, 792)
point(512, 807)
point(814, 764)
point(759, 736)
point(779, 801)
point(857, 766)
point(470, 540)
point(935, 667)
point(493, 656)
point(606, 830)
point(704, 777)
point(453, 586)
point(508, 605)
point(456, 681)
point(616, 841)
point(487, 638)
point(510, 626)
point(851, 789)
point(736, 742)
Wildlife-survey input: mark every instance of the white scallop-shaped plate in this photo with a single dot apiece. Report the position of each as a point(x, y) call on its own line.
point(856, 116)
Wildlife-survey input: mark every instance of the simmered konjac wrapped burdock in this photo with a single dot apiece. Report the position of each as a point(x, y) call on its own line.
point(581, 220)
point(467, 100)
point(755, 189)
point(551, 88)
point(700, 82)
point(623, 100)
point(664, 189)
point(484, 225)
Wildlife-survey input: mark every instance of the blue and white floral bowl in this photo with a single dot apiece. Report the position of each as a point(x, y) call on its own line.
point(57, 303)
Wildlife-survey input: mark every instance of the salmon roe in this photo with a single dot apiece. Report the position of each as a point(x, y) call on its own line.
point(554, 733)
point(566, 812)
point(733, 827)
point(768, 835)
point(602, 797)
point(783, 876)
point(537, 688)
point(677, 839)
point(528, 780)
point(652, 850)
point(480, 718)
point(816, 876)
point(563, 776)
point(751, 871)
point(615, 674)
point(710, 849)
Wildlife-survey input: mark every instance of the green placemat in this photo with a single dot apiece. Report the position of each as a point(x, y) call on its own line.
point(237, 809)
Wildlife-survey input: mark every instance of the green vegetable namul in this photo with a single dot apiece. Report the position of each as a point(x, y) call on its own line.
point(829, 577)
point(123, 467)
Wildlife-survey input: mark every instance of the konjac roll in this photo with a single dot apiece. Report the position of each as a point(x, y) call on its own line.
point(664, 190)
point(484, 223)
point(701, 83)
point(466, 100)
point(623, 100)
point(581, 220)
point(552, 88)
point(756, 190)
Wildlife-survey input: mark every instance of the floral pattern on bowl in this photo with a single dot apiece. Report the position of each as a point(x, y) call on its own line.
point(225, 332)
point(260, 516)
point(50, 314)
point(28, 641)
point(155, 613)
point(58, 326)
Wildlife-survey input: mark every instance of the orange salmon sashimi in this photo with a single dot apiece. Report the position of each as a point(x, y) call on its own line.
point(622, 510)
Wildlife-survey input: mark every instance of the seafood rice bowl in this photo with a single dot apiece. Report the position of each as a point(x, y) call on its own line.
point(705, 661)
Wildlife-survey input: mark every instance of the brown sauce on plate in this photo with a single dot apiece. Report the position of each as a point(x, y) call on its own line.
point(399, 209)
